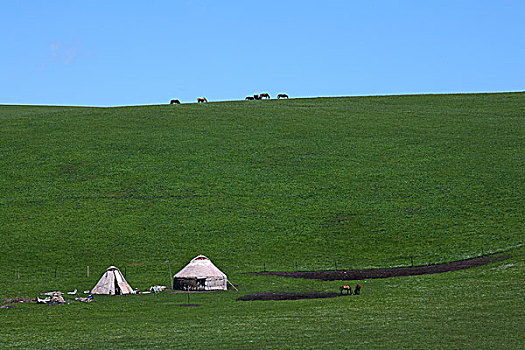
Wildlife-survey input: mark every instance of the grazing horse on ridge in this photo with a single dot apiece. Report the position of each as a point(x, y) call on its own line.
point(201, 100)
point(177, 102)
point(257, 97)
point(282, 96)
point(347, 288)
point(249, 98)
point(265, 95)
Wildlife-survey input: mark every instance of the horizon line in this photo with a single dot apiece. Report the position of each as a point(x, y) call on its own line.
point(295, 98)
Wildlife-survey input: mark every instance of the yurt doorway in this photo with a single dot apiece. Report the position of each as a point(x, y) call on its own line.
point(201, 283)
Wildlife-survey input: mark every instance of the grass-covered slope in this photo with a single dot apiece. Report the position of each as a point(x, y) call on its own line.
point(361, 182)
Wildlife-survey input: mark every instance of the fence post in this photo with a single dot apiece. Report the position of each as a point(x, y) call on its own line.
point(55, 272)
point(87, 271)
point(18, 274)
point(265, 267)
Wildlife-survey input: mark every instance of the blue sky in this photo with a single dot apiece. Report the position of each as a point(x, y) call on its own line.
point(112, 53)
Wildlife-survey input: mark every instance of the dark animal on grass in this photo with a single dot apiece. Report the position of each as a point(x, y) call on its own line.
point(357, 289)
point(201, 100)
point(347, 288)
point(177, 102)
point(257, 97)
point(282, 96)
point(265, 95)
point(249, 98)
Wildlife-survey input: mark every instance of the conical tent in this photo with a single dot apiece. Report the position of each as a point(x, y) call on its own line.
point(112, 282)
point(200, 274)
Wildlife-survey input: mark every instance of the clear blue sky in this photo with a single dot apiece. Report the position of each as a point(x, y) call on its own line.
point(110, 53)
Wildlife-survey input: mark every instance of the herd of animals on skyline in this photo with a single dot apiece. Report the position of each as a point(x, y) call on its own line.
point(261, 96)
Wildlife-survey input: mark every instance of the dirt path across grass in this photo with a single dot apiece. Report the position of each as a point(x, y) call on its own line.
point(287, 296)
point(390, 272)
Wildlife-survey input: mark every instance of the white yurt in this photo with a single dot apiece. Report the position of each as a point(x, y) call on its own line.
point(200, 274)
point(112, 282)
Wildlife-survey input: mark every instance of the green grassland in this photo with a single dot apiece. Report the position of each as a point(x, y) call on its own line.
point(305, 183)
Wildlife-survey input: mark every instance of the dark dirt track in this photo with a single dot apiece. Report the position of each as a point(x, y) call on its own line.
point(287, 296)
point(390, 272)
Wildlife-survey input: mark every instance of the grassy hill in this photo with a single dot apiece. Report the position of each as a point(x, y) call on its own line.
point(305, 183)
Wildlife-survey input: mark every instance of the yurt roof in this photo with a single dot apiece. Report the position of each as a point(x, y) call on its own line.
point(200, 267)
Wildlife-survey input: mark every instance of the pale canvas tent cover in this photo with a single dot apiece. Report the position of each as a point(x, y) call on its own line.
point(200, 274)
point(112, 282)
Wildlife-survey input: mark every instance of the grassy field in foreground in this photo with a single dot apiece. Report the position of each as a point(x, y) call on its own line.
point(306, 183)
point(470, 309)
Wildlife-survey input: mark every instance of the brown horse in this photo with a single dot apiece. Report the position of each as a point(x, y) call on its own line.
point(177, 102)
point(257, 97)
point(265, 95)
point(347, 288)
point(201, 100)
point(249, 98)
point(282, 96)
